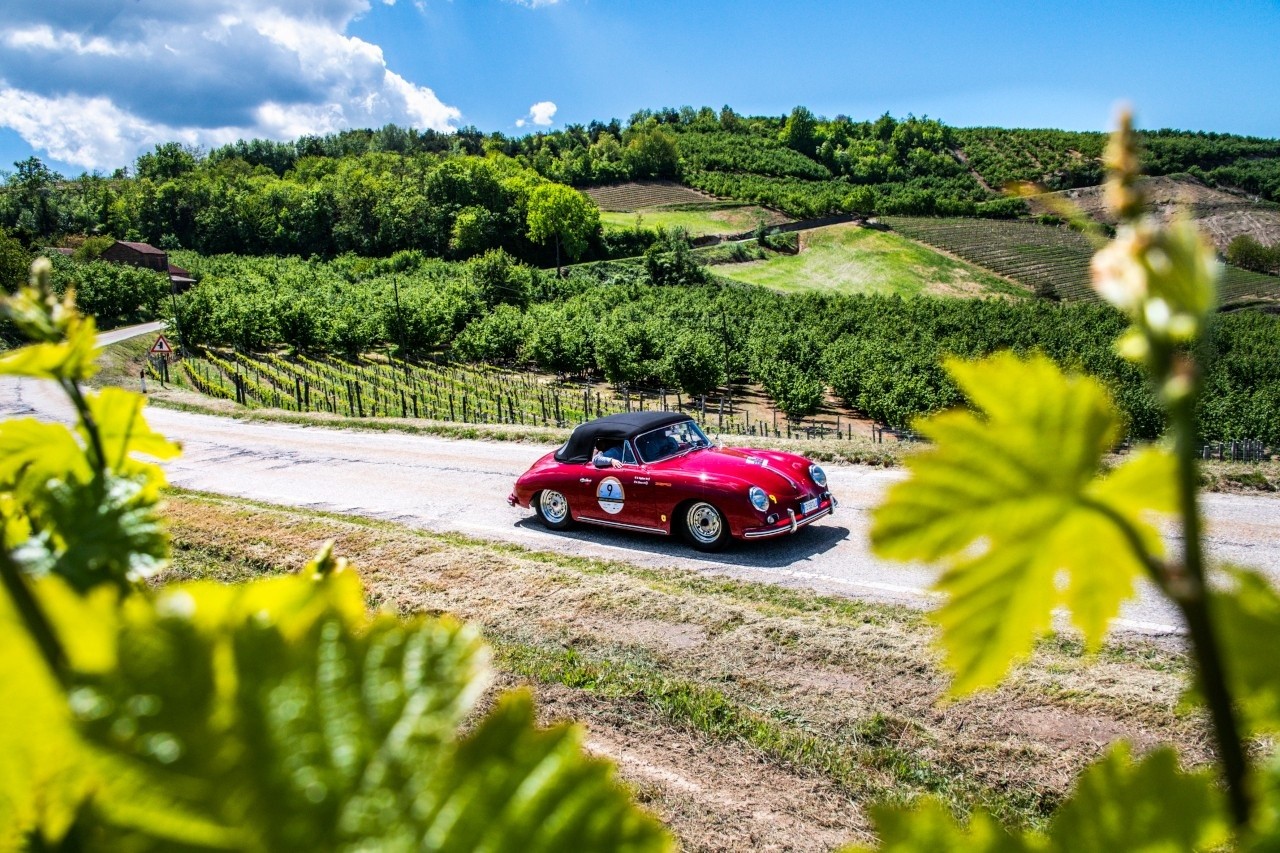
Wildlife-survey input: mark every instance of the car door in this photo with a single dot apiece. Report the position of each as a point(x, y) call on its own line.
point(619, 497)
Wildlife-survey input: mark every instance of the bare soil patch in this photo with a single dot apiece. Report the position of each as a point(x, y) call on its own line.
point(1222, 215)
point(745, 715)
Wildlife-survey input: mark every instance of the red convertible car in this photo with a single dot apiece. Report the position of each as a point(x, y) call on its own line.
point(657, 472)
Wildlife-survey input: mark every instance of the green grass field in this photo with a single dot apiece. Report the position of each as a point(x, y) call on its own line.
point(733, 219)
point(850, 259)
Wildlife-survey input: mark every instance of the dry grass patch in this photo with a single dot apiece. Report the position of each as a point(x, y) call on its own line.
point(745, 714)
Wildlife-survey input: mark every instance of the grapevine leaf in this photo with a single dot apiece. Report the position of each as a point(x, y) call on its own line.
point(280, 714)
point(43, 774)
point(35, 452)
point(107, 531)
point(74, 359)
point(124, 432)
point(929, 826)
point(1122, 806)
point(1009, 498)
point(510, 781)
point(1248, 619)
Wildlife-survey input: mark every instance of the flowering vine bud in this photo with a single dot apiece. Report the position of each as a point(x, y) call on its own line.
point(1121, 159)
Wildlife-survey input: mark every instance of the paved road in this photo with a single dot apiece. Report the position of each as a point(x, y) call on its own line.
point(444, 484)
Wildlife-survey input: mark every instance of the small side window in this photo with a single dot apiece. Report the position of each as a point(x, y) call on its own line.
point(628, 456)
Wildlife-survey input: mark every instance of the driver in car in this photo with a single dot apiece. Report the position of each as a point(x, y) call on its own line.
point(607, 455)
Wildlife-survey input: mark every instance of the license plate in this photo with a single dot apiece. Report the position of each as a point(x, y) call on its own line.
point(809, 506)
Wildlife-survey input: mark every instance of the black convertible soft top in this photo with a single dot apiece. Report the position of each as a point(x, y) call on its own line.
point(612, 428)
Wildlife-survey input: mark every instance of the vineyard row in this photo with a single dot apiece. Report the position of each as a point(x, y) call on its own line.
point(474, 395)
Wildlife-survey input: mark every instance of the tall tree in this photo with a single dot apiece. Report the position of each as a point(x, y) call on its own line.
point(169, 160)
point(565, 215)
point(800, 132)
point(34, 184)
point(14, 262)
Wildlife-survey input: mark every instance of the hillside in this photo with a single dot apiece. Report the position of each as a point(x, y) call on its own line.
point(1051, 260)
point(1222, 215)
point(459, 195)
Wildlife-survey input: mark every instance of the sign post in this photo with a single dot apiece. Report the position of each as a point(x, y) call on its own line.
point(161, 350)
point(161, 346)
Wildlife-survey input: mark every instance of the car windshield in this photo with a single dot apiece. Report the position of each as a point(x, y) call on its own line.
point(669, 441)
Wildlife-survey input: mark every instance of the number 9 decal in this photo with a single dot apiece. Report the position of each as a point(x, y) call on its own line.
point(610, 495)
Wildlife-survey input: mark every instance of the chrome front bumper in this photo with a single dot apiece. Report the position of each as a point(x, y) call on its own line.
point(791, 525)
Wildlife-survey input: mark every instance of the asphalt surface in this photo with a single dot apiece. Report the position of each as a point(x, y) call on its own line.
point(457, 485)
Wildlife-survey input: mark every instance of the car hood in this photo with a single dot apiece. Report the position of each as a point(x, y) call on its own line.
point(775, 472)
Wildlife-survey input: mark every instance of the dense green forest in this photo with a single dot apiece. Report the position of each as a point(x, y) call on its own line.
point(457, 195)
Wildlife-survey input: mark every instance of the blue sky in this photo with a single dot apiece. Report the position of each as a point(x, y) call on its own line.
point(90, 84)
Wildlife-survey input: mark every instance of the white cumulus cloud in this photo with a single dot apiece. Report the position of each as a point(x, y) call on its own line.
point(541, 114)
point(98, 82)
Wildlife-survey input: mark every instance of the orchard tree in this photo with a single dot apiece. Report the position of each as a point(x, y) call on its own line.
point(565, 215)
point(500, 279)
point(695, 360)
point(670, 260)
point(795, 391)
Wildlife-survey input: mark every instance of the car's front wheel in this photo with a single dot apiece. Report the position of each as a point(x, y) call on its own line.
point(705, 527)
point(553, 509)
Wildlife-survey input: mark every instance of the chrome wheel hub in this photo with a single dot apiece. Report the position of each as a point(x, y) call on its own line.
point(554, 506)
point(704, 522)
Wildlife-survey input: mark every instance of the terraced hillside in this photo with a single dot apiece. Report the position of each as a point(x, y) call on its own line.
point(635, 195)
point(1050, 260)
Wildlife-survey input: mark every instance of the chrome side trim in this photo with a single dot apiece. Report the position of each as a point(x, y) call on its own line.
point(640, 527)
point(795, 525)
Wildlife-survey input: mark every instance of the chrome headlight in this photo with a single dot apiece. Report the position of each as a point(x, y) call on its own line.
point(819, 476)
point(759, 499)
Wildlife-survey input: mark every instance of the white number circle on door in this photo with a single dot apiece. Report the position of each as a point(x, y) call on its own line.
point(610, 495)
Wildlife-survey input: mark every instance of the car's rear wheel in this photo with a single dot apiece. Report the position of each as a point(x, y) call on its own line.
point(553, 509)
point(705, 527)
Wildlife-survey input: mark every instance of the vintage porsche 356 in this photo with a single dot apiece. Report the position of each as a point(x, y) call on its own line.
point(658, 472)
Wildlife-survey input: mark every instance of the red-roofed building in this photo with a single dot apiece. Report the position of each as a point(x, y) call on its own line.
point(146, 255)
point(137, 254)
